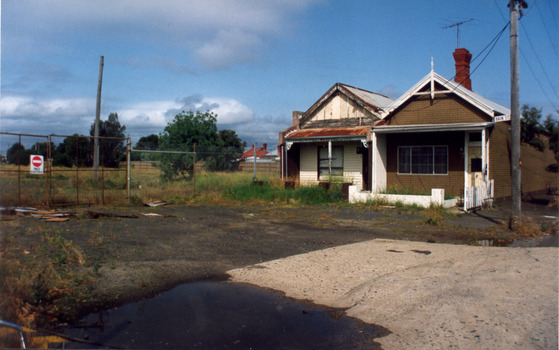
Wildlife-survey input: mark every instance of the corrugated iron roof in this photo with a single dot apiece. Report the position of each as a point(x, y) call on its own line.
point(371, 98)
point(306, 133)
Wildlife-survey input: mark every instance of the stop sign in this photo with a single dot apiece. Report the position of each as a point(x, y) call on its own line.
point(37, 161)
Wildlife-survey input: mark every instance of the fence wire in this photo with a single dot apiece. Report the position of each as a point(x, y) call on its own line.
point(70, 178)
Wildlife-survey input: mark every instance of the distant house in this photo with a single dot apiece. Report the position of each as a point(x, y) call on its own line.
point(261, 153)
point(438, 135)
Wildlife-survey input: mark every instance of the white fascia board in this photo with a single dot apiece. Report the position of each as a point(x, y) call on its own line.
point(387, 129)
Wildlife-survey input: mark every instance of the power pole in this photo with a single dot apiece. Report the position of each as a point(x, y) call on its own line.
point(97, 119)
point(515, 115)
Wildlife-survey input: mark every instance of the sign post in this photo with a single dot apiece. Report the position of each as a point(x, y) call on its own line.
point(36, 164)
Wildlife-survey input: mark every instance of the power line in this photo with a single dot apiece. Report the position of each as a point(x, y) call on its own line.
point(537, 58)
point(537, 80)
point(547, 32)
point(492, 43)
point(528, 63)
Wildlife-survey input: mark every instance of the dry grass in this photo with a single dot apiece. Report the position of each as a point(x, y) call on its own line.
point(40, 280)
point(78, 186)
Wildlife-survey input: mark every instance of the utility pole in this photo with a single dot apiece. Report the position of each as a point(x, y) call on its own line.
point(97, 120)
point(515, 115)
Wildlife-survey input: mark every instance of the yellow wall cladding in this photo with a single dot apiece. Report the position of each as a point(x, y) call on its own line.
point(443, 110)
point(534, 178)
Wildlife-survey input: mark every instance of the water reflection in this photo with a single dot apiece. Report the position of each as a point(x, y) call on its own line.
point(209, 315)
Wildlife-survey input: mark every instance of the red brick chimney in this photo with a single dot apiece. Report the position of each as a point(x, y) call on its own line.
point(462, 58)
point(265, 147)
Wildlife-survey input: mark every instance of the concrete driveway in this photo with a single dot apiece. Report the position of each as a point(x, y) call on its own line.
point(430, 296)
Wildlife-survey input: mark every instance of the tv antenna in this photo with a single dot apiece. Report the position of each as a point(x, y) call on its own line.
point(457, 25)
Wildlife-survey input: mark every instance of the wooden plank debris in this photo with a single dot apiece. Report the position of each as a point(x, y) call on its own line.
point(156, 215)
point(156, 203)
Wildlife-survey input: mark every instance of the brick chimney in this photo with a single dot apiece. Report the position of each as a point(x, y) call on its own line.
point(296, 116)
point(462, 58)
point(265, 147)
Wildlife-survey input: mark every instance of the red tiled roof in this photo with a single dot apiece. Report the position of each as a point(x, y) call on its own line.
point(329, 132)
point(260, 152)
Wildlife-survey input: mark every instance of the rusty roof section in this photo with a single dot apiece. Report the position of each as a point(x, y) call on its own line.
point(306, 133)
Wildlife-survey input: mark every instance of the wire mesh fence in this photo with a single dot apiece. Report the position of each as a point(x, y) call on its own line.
point(69, 177)
point(58, 170)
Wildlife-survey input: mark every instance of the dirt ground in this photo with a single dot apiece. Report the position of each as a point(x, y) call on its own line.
point(134, 258)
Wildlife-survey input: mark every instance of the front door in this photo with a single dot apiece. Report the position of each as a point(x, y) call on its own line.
point(366, 156)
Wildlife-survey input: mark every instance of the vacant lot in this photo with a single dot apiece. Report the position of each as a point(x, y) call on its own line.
point(56, 271)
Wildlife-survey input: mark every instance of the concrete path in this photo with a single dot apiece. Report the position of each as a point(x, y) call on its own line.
point(430, 296)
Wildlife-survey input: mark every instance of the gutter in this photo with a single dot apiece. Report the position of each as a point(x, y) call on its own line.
point(387, 129)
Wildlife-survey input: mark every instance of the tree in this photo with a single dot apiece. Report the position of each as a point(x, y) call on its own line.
point(18, 155)
point(530, 127)
point(111, 150)
point(551, 125)
point(74, 150)
point(227, 151)
point(40, 148)
point(187, 129)
point(150, 143)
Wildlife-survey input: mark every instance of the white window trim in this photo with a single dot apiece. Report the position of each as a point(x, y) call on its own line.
point(429, 174)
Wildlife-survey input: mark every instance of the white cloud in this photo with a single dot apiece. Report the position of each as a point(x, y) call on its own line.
point(227, 48)
point(21, 106)
point(75, 115)
point(219, 33)
point(230, 111)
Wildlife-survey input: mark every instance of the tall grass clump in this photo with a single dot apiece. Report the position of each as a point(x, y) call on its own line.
point(315, 195)
point(254, 192)
point(273, 191)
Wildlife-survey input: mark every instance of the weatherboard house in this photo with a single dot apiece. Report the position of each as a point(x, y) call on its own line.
point(439, 137)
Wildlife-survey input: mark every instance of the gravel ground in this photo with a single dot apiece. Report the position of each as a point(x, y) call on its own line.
point(430, 296)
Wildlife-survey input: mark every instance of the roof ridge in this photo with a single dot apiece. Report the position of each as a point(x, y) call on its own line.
point(372, 92)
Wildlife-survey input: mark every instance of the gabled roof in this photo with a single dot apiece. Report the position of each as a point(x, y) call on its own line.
point(487, 106)
point(371, 101)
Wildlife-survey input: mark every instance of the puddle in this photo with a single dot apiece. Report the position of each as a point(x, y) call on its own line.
point(209, 315)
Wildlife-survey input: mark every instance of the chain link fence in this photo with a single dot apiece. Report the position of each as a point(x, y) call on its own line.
point(69, 177)
point(58, 170)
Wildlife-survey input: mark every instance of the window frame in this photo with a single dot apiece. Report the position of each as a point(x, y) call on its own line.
point(327, 168)
point(410, 160)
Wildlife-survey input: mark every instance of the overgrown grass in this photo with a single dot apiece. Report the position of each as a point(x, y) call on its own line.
point(273, 192)
point(41, 283)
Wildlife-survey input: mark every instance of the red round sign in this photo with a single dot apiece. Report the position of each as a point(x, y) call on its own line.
point(37, 161)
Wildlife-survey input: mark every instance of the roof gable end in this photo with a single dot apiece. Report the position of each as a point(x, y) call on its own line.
point(434, 83)
point(372, 102)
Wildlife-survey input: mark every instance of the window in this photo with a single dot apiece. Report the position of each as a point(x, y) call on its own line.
point(324, 162)
point(475, 165)
point(423, 160)
point(475, 137)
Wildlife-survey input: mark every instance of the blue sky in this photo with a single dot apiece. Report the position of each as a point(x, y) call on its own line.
point(252, 62)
